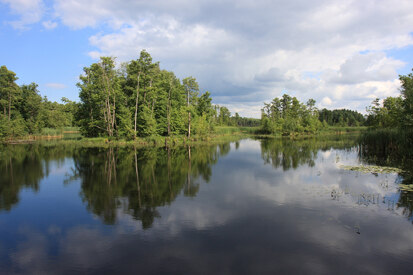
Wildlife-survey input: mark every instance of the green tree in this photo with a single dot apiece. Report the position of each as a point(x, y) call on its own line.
point(99, 92)
point(191, 88)
point(407, 95)
point(9, 91)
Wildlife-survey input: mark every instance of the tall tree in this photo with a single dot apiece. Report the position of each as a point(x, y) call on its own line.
point(191, 89)
point(9, 90)
point(407, 94)
point(99, 89)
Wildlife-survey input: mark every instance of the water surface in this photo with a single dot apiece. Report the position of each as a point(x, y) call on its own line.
point(250, 207)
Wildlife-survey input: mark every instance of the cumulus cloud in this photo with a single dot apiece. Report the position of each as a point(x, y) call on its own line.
point(366, 67)
point(29, 11)
point(246, 52)
point(49, 25)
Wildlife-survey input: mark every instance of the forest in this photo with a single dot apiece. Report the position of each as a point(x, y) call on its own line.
point(23, 111)
point(287, 115)
point(139, 99)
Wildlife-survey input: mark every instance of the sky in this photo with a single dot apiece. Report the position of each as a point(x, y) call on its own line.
point(341, 53)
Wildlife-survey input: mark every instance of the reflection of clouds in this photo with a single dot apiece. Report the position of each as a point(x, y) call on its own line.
point(86, 248)
point(30, 256)
point(249, 219)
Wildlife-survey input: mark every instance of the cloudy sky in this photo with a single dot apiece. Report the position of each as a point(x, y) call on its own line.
point(245, 52)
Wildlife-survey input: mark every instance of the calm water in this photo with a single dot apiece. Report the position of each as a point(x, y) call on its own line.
point(251, 207)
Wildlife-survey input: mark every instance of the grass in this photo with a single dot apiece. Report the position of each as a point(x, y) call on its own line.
point(341, 129)
point(220, 134)
point(228, 130)
point(388, 147)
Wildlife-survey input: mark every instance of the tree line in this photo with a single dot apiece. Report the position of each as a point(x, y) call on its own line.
point(140, 99)
point(135, 99)
point(23, 111)
point(394, 112)
point(287, 115)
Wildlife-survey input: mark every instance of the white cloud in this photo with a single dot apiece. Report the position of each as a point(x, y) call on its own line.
point(366, 67)
point(247, 52)
point(326, 101)
point(56, 86)
point(49, 25)
point(30, 11)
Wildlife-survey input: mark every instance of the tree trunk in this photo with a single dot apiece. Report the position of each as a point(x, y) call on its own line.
point(169, 109)
point(189, 115)
point(9, 104)
point(189, 125)
point(137, 102)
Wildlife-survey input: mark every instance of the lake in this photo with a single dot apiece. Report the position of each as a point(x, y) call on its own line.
point(262, 206)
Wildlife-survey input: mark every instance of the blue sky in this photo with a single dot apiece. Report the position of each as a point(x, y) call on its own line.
point(341, 53)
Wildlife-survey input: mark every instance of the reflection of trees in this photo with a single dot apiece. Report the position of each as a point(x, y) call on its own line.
point(406, 197)
point(288, 153)
point(375, 152)
point(23, 166)
point(139, 181)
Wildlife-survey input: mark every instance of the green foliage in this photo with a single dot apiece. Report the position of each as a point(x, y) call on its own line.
point(394, 112)
point(23, 111)
point(407, 95)
point(341, 117)
point(140, 100)
point(288, 116)
point(147, 123)
point(201, 125)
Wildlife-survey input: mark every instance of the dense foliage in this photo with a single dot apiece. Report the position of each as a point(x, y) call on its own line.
point(341, 117)
point(24, 111)
point(140, 99)
point(287, 115)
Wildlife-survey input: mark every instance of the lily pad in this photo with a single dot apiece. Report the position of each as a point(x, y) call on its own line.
point(372, 169)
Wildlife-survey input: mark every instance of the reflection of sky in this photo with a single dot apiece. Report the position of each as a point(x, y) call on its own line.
point(249, 218)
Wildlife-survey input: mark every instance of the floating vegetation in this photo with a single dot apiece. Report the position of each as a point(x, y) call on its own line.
point(372, 169)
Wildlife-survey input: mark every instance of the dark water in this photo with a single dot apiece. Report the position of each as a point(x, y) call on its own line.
point(251, 207)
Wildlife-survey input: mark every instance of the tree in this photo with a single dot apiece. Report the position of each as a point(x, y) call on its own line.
point(99, 90)
point(31, 106)
point(407, 95)
point(9, 90)
point(191, 88)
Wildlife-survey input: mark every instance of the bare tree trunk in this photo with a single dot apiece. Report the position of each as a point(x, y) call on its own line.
point(114, 114)
point(153, 105)
point(169, 109)
point(189, 125)
point(189, 116)
point(137, 102)
point(9, 104)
